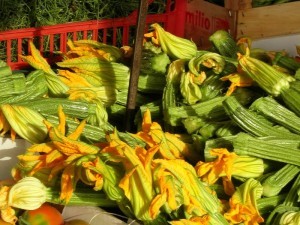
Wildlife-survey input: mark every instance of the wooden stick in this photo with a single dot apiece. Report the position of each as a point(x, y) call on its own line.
point(136, 64)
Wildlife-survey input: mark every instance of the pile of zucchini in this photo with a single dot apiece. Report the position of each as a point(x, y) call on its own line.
point(230, 96)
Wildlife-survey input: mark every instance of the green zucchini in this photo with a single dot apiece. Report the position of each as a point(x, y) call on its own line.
point(291, 97)
point(274, 184)
point(211, 109)
point(277, 112)
point(72, 108)
point(224, 43)
point(245, 144)
point(12, 85)
point(35, 87)
point(252, 123)
point(287, 62)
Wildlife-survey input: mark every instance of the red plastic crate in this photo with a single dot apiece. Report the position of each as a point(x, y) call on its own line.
point(52, 39)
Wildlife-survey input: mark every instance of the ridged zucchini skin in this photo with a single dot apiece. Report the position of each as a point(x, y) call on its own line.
point(35, 85)
point(291, 97)
point(251, 123)
point(12, 85)
point(273, 185)
point(286, 62)
point(274, 111)
point(169, 100)
point(211, 110)
point(246, 144)
point(74, 109)
point(267, 204)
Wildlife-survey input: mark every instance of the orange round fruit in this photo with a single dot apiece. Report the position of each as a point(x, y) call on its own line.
point(44, 215)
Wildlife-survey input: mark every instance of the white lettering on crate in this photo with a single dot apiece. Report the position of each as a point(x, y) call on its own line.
point(199, 19)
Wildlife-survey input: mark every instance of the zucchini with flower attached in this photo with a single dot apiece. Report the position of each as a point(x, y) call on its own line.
point(171, 90)
point(25, 122)
point(212, 87)
point(267, 204)
point(87, 47)
point(211, 109)
point(105, 73)
point(271, 80)
point(291, 97)
point(154, 65)
point(174, 46)
point(55, 86)
point(153, 60)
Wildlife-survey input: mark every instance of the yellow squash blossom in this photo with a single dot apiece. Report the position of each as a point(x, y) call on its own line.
point(177, 185)
point(226, 165)
point(86, 50)
point(171, 147)
point(170, 195)
point(36, 60)
point(25, 122)
point(28, 193)
point(243, 204)
point(189, 88)
point(104, 51)
point(210, 172)
point(72, 79)
point(237, 80)
point(8, 214)
point(290, 218)
point(175, 46)
point(137, 182)
point(59, 154)
point(103, 176)
point(106, 94)
point(5, 127)
point(169, 179)
point(210, 60)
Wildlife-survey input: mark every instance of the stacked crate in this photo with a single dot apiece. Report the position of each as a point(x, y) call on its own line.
point(268, 26)
point(192, 19)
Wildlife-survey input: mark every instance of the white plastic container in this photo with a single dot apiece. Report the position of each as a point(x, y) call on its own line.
point(94, 216)
point(287, 43)
point(9, 150)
